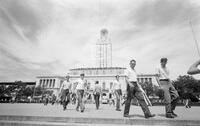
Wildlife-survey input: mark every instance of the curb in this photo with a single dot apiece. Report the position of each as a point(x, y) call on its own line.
point(83, 120)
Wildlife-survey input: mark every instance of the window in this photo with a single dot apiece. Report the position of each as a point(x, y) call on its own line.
point(50, 82)
point(146, 80)
point(104, 85)
point(150, 80)
point(40, 84)
point(142, 80)
point(44, 83)
point(53, 82)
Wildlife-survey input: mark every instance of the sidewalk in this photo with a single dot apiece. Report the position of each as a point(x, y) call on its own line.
point(105, 115)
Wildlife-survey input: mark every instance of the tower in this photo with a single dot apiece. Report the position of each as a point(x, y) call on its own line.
point(103, 50)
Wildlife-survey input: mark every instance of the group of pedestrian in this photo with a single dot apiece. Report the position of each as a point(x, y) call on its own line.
point(77, 92)
point(47, 98)
point(165, 83)
point(133, 89)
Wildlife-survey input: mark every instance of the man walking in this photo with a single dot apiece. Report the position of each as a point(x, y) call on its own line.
point(65, 92)
point(170, 93)
point(134, 90)
point(97, 93)
point(81, 87)
point(116, 88)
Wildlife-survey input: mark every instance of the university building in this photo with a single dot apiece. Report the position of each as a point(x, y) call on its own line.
point(105, 76)
point(52, 83)
point(103, 72)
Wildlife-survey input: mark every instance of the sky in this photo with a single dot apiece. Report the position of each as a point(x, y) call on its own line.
point(49, 37)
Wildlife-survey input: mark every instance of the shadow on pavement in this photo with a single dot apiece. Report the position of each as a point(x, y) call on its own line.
point(136, 115)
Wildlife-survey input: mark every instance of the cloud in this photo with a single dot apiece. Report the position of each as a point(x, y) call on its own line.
point(165, 12)
point(28, 20)
point(49, 37)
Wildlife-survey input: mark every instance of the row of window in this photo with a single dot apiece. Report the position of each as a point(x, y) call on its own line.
point(103, 84)
point(142, 80)
point(47, 83)
point(98, 72)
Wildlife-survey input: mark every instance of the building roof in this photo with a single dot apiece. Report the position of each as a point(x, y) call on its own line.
point(109, 75)
point(54, 76)
point(147, 75)
point(97, 68)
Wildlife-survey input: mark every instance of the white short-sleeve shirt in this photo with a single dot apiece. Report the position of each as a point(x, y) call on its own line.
point(131, 75)
point(163, 73)
point(66, 84)
point(116, 85)
point(81, 84)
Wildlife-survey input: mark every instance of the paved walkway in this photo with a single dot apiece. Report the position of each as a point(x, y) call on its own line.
point(105, 111)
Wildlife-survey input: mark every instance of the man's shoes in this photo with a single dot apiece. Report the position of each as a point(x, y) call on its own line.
point(174, 114)
point(169, 115)
point(77, 109)
point(64, 108)
point(126, 115)
point(82, 110)
point(149, 116)
point(118, 110)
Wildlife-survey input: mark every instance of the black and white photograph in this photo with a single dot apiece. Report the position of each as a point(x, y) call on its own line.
point(99, 62)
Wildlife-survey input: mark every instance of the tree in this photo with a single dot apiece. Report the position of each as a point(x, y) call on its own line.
point(28, 91)
point(38, 91)
point(148, 88)
point(185, 84)
point(41, 91)
point(2, 88)
point(159, 93)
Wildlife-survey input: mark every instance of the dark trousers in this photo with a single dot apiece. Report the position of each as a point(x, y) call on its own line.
point(65, 98)
point(118, 96)
point(170, 96)
point(136, 92)
point(96, 97)
point(80, 103)
point(46, 101)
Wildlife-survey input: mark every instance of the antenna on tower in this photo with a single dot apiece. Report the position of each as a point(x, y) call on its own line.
point(197, 46)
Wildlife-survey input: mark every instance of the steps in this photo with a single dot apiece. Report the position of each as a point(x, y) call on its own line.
point(12, 120)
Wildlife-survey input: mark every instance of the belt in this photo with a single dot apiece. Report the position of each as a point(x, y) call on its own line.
point(164, 79)
point(133, 82)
